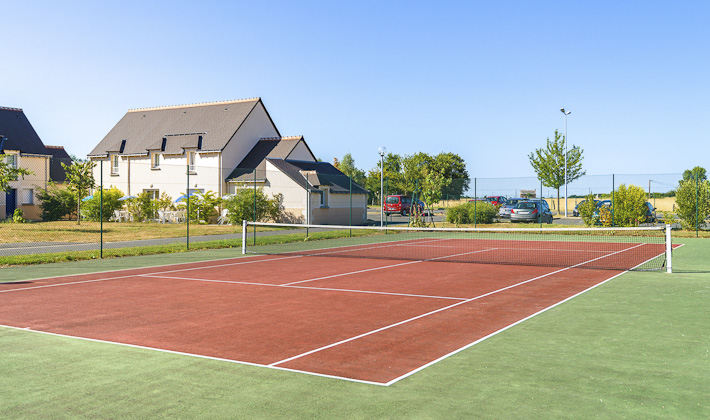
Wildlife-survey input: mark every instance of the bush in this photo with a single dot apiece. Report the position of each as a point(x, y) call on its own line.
point(241, 206)
point(587, 210)
point(56, 203)
point(202, 205)
point(91, 208)
point(18, 216)
point(470, 213)
point(629, 206)
point(688, 194)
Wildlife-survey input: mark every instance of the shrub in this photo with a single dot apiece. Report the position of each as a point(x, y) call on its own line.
point(241, 206)
point(91, 208)
point(688, 194)
point(202, 206)
point(629, 206)
point(469, 213)
point(56, 203)
point(605, 216)
point(588, 210)
point(18, 216)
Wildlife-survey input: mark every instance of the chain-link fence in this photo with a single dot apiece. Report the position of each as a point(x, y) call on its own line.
point(164, 204)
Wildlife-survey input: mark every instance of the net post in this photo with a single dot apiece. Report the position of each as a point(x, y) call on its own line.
point(669, 250)
point(244, 236)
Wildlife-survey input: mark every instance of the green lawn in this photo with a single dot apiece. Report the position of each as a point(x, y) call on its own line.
point(636, 347)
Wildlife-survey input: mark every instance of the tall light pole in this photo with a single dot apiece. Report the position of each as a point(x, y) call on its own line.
point(382, 151)
point(566, 114)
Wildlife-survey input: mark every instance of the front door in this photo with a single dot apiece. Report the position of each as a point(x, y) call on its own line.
point(10, 202)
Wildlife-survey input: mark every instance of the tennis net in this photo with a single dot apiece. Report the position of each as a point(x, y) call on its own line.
point(641, 248)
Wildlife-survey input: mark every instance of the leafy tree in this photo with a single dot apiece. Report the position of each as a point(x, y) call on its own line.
point(92, 210)
point(240, 206)
point(347, 166)
point(80, 180)
point(202, 206)
point(9, 173)
point(693, 202)
point(549, 163)
point(393, 178)
point(697, 172)
point(453, 168)
point(629, 205)
point(55, 202)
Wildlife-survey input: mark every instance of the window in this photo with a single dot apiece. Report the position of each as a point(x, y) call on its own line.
point(154, 194)
point(114, 164)
point(28, 196)
point(191, 162)
point(155, 161)
point(11, 161)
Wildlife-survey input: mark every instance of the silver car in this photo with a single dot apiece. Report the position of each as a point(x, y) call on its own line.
point(531, 211)
point(505, 209)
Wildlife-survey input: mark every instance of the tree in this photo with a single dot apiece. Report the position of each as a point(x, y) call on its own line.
point(697, 172)
point(453, 168)
point(347, 166)
point(549, 163)
point(693, 201)
point(9, 173)
point(80, 180)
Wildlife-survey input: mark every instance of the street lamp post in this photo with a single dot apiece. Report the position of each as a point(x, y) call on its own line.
point(382, 151)
point(566, 114)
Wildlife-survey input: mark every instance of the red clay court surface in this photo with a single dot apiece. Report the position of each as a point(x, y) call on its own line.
point(367, 320)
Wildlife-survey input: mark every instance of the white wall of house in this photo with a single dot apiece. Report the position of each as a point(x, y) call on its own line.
point(300, 152)
point(137, 174)
point(256, 126)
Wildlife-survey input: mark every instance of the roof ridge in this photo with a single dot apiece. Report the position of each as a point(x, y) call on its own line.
point(236, 101)
point(281, 138)
point(7, 108)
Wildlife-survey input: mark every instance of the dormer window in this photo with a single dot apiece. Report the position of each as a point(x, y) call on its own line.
point(114, 164)
point(191, 162)
point(155, 161)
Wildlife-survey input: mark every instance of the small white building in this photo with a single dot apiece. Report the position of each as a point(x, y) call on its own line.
point(210, 147)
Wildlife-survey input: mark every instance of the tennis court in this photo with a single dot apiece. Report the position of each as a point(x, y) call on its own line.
point(377, 318)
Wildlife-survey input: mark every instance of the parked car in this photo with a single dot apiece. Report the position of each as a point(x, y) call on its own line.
point(496, 200)
point(575, 212)
point(401, 204)
point(531, 211)
point(505, 209)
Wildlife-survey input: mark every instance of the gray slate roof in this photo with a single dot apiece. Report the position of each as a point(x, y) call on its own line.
point(18, 133)
point(318, 173)
point(205, 127)
point(272, 147)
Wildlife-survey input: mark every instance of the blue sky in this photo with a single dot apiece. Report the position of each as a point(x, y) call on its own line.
point(484, 80)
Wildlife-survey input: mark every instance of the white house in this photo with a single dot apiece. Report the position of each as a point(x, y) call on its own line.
point(207, 147)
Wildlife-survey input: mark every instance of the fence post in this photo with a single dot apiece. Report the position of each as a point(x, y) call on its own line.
point(187, 197)
point(101, 209)
point(613, 187)
point(697, 203)
point(475, 196)
point(669, 250)
point(351, 205)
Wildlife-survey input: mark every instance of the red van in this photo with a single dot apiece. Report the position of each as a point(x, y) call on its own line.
point(401, 204)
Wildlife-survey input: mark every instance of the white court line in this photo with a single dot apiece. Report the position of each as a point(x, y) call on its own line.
point(329, 289)
point(295, 370)
point(438, 310)
point(201, 356)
